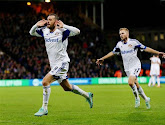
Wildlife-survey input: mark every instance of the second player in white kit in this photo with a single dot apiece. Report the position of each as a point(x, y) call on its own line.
point(155, 70)
point(128, 49)
point(131, 62)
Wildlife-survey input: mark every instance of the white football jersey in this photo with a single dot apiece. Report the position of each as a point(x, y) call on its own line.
point(56, 44)
point(155, 61)
point(155, 67)
point(129, 53)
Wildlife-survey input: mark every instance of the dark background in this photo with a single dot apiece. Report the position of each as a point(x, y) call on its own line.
point(118, 13)
point(135, 13)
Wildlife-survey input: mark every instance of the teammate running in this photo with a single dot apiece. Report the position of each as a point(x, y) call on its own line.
point(128, 48)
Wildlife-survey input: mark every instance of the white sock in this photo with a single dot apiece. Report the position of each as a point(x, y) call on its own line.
point(153, 80)
point(135, 91)
point(77, 90)
point(142, 94)
point(46, 94)
point(158, 80)
point(150, 81)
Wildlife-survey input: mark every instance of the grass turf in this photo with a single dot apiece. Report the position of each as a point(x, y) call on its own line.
point(113, 105)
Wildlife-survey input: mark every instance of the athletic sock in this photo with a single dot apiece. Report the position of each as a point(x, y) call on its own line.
point(153, 80)
point(135, 91)
point(142, 94)
point(158, 80)
point(46, 94)
point(77, 90)
point(150, 81)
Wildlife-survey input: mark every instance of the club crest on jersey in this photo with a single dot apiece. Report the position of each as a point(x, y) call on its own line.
point(57, 33)
point(129, 45)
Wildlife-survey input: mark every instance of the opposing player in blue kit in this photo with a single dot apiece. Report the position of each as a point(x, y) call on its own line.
point(56, 35)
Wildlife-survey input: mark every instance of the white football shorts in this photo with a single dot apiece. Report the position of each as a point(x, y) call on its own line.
point(133, 72)
point(155, 71)
point(59, 71)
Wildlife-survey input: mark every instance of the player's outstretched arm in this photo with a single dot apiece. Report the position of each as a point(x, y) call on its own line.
point(73, 30)
point(101, 60)
point(38, 24)
point(150, 50)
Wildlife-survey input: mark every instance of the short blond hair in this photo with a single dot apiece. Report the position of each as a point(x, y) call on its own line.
point(55, 15)
point(126, 29)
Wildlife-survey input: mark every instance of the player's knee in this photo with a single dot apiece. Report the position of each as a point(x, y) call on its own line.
point(130, 82)
point(45, 83)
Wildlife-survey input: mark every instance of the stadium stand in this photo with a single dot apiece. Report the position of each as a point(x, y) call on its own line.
point(29, 52)
point(26, 56)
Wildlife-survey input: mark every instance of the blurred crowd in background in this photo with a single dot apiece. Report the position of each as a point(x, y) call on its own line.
point(24, 57)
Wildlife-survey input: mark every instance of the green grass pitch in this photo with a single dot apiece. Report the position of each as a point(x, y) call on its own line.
point(113, 105)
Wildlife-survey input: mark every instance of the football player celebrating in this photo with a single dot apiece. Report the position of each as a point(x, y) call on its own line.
point(56, 34)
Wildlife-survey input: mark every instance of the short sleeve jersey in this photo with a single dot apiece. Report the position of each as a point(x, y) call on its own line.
point(56, 44)
point(128, 52)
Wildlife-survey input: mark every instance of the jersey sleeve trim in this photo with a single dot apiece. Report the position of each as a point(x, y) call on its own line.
point(139, 45)
point(40, 32)
point(65, 35)
point(116, 50)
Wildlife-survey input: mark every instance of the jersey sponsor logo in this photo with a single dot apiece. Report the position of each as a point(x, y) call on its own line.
point(51, 40)
point(125, 52)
